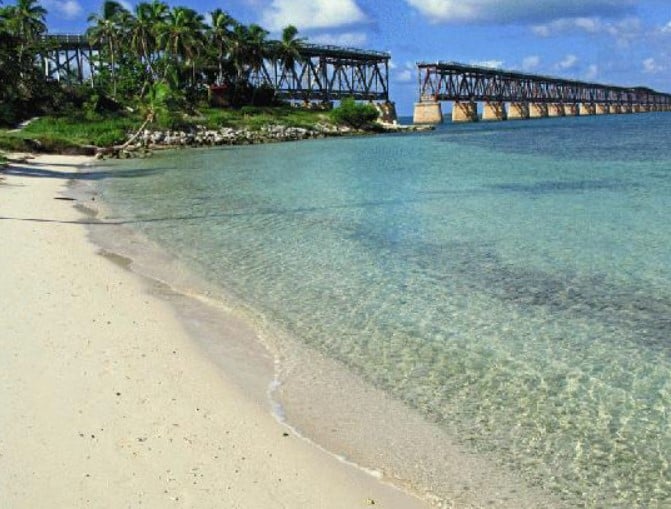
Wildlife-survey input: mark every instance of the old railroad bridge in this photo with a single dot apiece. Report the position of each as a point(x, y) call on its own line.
point(327, 73)
point(514, 95)
point(323, 73)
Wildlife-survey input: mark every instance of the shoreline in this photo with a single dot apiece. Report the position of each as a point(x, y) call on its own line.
point(368, 429)
point(104, 389)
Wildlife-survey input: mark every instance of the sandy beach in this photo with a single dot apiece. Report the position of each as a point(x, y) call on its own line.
point(107, 401)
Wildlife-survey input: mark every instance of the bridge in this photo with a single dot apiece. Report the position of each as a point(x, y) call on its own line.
point(515, 95)
point(321, 73)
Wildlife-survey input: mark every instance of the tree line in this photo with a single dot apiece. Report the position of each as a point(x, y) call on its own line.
point(154, 49)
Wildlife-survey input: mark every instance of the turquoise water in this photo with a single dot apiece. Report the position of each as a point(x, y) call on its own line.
point(510, 281)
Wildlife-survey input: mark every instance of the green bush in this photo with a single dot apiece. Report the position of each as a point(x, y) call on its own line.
point(353, 114)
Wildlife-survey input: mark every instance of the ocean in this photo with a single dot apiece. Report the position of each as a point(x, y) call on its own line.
point(508, 285)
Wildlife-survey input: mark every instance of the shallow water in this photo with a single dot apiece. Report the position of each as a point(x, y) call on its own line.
point(509, 281)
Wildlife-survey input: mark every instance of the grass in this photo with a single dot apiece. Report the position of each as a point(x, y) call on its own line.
point(69, 133)
point(255, 118)
point(75, 132)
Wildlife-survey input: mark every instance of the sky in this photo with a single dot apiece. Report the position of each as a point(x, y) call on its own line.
point(618, 42)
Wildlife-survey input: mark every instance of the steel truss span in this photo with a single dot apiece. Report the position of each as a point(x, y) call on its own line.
point(322, 73)
point(325, 73)
point(451, 81)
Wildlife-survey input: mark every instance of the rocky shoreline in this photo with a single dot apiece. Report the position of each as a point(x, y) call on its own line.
point(200, 136)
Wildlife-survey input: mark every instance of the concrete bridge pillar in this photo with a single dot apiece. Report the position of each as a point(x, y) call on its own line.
point(518, 111)
point(465, 111)
point(587, 109)
point(602, 109)
point(571, 110)
point(616, 108)
point(636, 108)
point(387, 112)
point(627, 108)
point(556, 110)
point(428, 112)
point(495, 110)
point(538, 110)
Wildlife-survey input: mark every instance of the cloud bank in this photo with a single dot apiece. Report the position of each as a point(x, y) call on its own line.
point(311, 14)
point(518, 11)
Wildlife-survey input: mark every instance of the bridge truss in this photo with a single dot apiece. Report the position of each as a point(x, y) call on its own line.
point(321, 73)
point(325, 73)
point(450, 81)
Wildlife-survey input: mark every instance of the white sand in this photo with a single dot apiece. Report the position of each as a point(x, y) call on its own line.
point(105, 401)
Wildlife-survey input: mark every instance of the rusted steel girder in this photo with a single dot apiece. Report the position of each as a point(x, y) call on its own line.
point(325, 73)
point(451, 81)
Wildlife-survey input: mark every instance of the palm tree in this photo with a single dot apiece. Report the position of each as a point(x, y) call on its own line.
point(26, 18)
point(181, 36)
point(220, 35)
point(144, 30)
point(288, 50)
point(25, 21)
point(107, 31)
point(257, 48)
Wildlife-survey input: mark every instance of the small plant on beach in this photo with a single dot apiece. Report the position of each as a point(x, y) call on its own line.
point(353, 114)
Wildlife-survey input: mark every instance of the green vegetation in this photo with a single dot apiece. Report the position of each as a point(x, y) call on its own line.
point(158, 64)
point(69, 133)
point(354, 115)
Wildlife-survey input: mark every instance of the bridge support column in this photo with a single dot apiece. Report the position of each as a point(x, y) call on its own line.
point(465, 112)
point(636, 108)
point(538, 110)
point(587, 109)
point(556, 110)
point(494, 111)
point(602, 109)
point(571, 110)
point(387, 112)
point(518, 111)
point(616, 108)
point(627, 108)
point(428, 112)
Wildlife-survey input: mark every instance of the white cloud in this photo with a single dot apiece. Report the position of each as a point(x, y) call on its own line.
point(569, 62)
point(68, 9)
point(530, 63)
point(592, 72)
point(491, 64)
point(516, 11)
point(343, 39)
point(650, 66)
point(306, 14)
point(406, 74)
point(623, 30)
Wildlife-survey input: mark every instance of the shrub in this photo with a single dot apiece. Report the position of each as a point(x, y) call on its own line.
point(353, 114)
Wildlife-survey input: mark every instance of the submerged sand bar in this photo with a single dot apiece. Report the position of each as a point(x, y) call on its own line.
point(105, 399)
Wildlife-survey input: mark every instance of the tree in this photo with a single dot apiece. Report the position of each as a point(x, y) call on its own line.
point(355, 115)
point(144, 28)
point(181, 36)
point(107, 31)
point(288, 48)
point(25, 21)
point(257, 48)
point(220, 36)
point(21, 83)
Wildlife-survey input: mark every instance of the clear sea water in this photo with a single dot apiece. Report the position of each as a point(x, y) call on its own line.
point(509, 281)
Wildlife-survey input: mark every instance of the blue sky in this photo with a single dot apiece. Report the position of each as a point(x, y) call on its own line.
point(621, 42)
